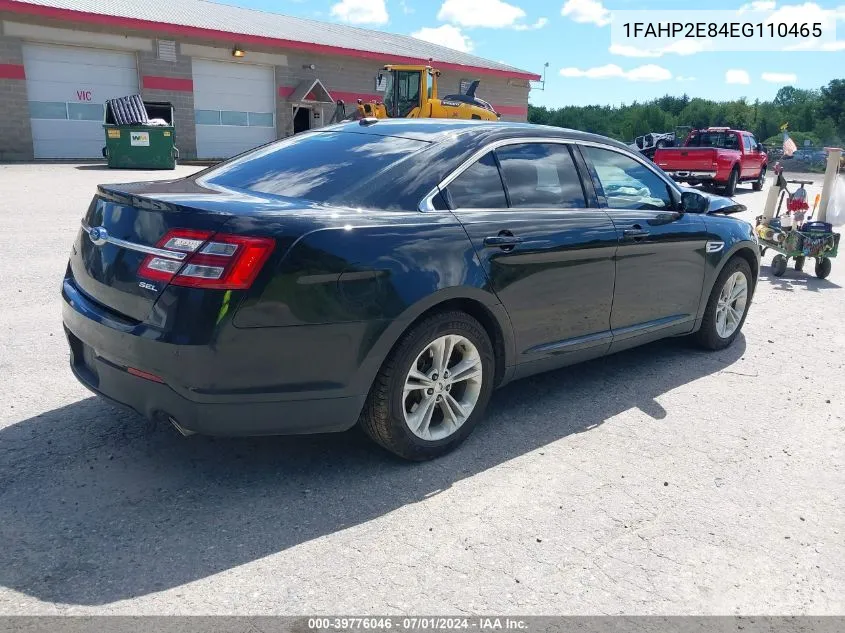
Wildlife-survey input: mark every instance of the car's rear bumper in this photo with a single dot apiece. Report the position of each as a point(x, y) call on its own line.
point(684, 175)
point(104, 350)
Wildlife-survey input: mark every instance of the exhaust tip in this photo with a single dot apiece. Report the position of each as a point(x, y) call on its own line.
point(182, 430)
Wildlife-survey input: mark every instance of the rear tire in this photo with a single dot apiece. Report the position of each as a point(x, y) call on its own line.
point(408, 388)
point(733, 180)
point(713, 334)
point(779, 265)
point(761, 180)
point(799, 264)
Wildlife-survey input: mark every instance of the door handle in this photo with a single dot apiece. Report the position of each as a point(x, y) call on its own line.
point(502, 240)
point(635, 232)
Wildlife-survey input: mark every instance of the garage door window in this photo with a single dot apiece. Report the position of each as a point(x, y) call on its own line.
point(85, 111)
point(207, 117)
point(261, 119)
point(48, 109)
point(234, 118)
point(63, 110)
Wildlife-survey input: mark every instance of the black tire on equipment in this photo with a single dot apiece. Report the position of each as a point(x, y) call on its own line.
point(799, 264)
point(707, 336)
point(733, 180)
point(382, 417)
point(779, 264)
point(823, 267)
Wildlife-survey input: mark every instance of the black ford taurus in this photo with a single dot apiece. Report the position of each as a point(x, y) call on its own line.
point(391, 273)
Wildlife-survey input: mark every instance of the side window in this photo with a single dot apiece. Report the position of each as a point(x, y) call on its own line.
point(541, 175)
point(747, 144)
point(752, 142)
point(479, 187)
point(429, 84)
point(627, 183)
point(731, 141)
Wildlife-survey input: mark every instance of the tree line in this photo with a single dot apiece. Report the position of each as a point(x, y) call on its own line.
point(814, 115)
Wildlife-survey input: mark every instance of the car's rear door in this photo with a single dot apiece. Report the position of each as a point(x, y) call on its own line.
point(547, 253)
point(660, 262)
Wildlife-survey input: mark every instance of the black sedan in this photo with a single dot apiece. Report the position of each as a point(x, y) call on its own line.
point(392, 274)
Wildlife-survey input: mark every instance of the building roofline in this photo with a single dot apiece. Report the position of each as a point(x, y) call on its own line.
point(20, 7)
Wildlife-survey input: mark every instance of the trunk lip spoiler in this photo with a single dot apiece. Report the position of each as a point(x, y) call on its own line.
point(99, 236)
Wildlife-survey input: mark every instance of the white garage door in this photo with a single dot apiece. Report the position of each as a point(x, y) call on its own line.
point(235, 107)
point(67, 88)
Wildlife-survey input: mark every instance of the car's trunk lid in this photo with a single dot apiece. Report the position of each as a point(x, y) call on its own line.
point(107, 269)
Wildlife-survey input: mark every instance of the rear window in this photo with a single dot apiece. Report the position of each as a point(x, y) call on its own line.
point(718, 139)
point(317, 166)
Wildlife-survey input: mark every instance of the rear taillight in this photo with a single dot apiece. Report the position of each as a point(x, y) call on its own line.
point(224, 262)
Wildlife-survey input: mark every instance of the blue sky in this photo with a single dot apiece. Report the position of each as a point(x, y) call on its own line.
point(573, 36)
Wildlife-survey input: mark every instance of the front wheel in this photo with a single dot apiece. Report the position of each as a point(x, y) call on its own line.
point(727, 307)
point(432, 389)
point(823, 267)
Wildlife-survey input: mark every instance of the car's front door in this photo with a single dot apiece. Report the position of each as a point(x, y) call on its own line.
point(547, 254)
point(753, 159)
point(660, 262)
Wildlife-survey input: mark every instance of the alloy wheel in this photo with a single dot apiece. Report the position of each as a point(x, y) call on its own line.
point(731, 305)
point(442, 387)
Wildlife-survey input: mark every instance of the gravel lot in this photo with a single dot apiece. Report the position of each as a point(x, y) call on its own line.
point(663, 480)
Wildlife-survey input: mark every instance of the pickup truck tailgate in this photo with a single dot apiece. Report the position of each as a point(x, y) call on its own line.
point(686, 158)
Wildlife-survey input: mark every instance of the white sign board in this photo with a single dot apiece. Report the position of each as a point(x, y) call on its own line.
point(139, 139)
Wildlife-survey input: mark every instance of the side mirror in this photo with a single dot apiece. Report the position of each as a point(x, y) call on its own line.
point(761, 148)
point(694, 202)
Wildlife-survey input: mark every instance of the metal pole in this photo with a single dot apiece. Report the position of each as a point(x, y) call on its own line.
point(833, 156)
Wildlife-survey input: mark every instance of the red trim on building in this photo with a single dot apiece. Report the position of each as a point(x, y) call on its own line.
point(512, 110)
point(352, 97)
point(12, 71)
point(16, 6)
point(177, 84)
point(286, 91)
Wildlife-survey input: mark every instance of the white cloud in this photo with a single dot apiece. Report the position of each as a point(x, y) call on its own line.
point(684, 78)
point(811, 13)
point(360, 11)
point(648, 72)
point(489, 13)
point(446, 35)
point(586, 12)
point(405, 8)
point(625, 50)
point(736, 76)
point(679, 47)
point(780, 78)
point(539, 24)
point(758, 5)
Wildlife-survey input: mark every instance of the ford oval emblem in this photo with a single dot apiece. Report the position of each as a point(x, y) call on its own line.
point(99, 235)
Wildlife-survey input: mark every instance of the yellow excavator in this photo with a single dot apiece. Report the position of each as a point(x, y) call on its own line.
point(411, 92)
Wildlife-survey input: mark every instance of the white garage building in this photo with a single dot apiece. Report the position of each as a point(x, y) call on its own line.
point(237, 77)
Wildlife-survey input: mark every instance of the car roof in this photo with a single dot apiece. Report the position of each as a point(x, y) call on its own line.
point(437, 130)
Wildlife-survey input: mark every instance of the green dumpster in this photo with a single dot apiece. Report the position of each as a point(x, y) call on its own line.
point(142, 146)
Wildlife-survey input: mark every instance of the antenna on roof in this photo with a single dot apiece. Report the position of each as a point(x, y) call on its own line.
point(542, 83)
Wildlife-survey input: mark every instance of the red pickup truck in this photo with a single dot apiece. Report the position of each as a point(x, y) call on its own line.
point(717, 156)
